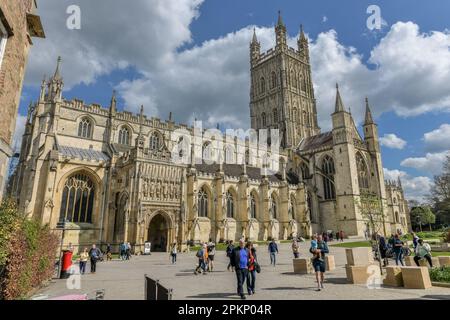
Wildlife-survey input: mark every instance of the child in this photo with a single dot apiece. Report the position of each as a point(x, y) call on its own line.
point(314, 248)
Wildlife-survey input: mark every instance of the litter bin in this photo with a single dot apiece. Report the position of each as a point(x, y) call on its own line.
point(66, 263)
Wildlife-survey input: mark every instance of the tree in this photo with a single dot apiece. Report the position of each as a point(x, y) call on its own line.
point(440, 194)
point(371, 209)
point(422, 215)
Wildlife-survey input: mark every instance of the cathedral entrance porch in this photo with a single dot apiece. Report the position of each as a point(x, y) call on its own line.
point(158, 233)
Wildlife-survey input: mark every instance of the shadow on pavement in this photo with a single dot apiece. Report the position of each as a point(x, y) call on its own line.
point(291, 288)
point(336, 280)
point(436, 297)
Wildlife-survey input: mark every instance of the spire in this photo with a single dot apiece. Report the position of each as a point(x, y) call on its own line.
point(339, 107)
point(368, 119)
point(57, 75)
point(113, 105)
point(254, 39)
point(280, 19)
point(302, 34)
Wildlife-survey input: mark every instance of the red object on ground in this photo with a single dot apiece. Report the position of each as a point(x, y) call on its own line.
point(66, 263)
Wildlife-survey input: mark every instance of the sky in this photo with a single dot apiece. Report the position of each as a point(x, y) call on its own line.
point(191, 57)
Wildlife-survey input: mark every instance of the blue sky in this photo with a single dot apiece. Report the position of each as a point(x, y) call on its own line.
point(164, 56)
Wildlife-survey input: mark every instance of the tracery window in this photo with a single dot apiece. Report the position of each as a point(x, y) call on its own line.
point(202, 203)
point(230, 205)
point(328, 178)
point(85, 128)
point(77, 200)
point(124, 136)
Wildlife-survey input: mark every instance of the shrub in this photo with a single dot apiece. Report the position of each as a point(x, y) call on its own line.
point(441, 274)
point(447, 236)
point(27, 252)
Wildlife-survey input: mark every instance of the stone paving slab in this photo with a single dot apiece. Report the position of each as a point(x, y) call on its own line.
point(124, 280)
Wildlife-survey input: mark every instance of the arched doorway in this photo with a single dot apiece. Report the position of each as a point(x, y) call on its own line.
point(158, 233)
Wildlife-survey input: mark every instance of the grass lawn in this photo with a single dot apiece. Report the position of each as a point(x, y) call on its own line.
point(352, 244)
point(437, 254)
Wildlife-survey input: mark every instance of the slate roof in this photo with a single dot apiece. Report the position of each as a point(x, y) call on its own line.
point(254, 173)
point(83, 154)
point(318, 141)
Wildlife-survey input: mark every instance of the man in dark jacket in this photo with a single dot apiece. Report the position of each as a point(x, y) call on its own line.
point(240, 258)
point(94, 254)
point(273, 250)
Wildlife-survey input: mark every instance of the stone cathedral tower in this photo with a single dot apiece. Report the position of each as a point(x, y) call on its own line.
point(282, 93)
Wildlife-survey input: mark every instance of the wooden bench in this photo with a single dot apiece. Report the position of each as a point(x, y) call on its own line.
point(416, 277)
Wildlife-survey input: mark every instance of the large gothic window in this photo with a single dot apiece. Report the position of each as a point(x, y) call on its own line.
point(124, 136)
point(77, 201)
point(305, 171)
point(363, 178)
point(252, 206)
point(264, 119)
point(275, 115)
point(85, 128)
point(155, 141)
point(263, 85)
point(328, 178)
point(274, 79)
point(230, 205)
point(273, 207)
point(202, 203)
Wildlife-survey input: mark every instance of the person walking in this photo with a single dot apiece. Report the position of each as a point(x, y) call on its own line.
point(398, 250)
point(128, 251)
point(273, 250)
point(383, 249)
point(94, 254)
point(295, 248)
point(319, 261)
point(253, 261)
point(240, 261)
point(423, 250)
point(123, 249)
point(229, 251)
point(108, 252)
point(84, 256)
point(173, 253)
point(202, 256)
point(415, 240)
point(211, 254)
point(341, 236)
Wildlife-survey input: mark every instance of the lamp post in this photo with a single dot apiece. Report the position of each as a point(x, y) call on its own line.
point(61, 225)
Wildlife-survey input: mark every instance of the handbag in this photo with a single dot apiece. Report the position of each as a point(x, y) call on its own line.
point(257, 267)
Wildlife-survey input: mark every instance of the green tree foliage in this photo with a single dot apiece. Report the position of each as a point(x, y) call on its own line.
point(440, 195)
point(422, 215)
point(27, 253)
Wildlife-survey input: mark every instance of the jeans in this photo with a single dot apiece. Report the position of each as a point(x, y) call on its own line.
point(273, 258)
point(93, 264)
point(427, 256)
point(82, 267)
point(296, 255)
point(174, 257)
point(241, 276)
point(399, 257)
point(251, 280)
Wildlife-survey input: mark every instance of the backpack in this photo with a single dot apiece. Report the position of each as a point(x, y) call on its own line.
point(199, 254)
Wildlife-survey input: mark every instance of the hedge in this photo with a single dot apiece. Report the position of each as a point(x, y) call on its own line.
point(27, 253)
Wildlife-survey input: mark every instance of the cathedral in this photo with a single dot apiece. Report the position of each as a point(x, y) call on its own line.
point(109, 174)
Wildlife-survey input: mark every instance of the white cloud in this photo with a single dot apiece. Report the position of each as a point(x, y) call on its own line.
point(211, 80)
point(439, 139)
point(390, 140)
point(415, 188)
point(430, 164)
point(324, 19)
point(20, 128)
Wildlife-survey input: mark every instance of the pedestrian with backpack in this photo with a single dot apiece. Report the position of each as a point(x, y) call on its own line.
point(229, 251)
point(94, 254)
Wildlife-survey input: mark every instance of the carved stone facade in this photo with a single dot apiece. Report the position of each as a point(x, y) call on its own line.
point(112, 174)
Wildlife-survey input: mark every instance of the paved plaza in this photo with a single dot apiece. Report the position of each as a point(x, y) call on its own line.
point(125, 280)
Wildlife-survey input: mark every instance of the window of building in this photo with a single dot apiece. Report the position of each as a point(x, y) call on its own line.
point(229, 154)
point(363, 177)
point(124, 136)
point(291, 211)
point(85, 128)
point(230, 205)
point(263, 85)
point(77, 201)
point(275, 115)
point(155, 141)
point(252, 206)
point(305, 171)
point(3, 40)
point(202, 203)
point(396, 217)
point(264, 119)
point(328, 178)
point(274, 79)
